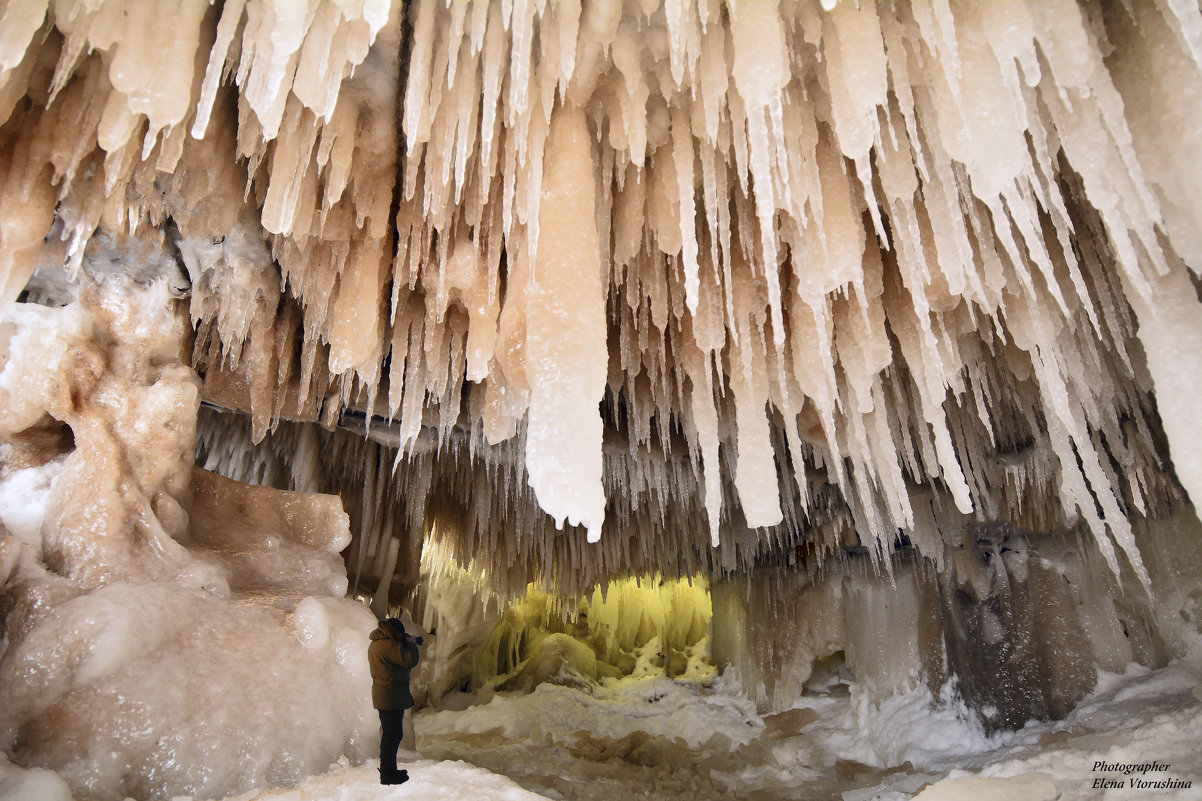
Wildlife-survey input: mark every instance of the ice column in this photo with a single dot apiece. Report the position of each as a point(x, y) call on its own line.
point(566, 350)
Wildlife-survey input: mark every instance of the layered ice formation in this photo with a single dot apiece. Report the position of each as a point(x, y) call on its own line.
point(164, 627)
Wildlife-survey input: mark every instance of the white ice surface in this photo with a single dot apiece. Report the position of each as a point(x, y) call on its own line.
point(23, 499)
point(1132, 718)
point(657, 706)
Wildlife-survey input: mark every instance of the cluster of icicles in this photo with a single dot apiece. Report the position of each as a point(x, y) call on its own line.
point(867, 243)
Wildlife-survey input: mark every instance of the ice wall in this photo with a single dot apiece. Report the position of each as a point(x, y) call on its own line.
point(165, 631)
point(774, 630)
point(1019, 623)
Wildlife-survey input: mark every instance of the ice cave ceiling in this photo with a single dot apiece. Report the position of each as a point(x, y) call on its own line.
point(585, 290)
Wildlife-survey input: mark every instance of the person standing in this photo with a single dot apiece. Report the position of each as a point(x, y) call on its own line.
point(391, 654)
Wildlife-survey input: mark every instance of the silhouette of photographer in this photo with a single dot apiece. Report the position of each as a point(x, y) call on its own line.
point(391, 655)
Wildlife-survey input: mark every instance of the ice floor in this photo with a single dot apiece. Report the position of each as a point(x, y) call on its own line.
point(656, 738)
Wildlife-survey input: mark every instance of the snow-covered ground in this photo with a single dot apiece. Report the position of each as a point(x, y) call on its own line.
point(662, 739)
point(659, 738)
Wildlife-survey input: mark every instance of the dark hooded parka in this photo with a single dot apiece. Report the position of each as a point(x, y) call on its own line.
point(390, 657)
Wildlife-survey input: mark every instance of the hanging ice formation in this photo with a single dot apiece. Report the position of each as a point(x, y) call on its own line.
point(637, 287)
point(851, 251)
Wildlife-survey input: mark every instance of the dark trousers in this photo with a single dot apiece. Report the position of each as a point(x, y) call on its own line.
point(391, 734)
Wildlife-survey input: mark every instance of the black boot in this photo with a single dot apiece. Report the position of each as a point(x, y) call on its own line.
point(393, 776)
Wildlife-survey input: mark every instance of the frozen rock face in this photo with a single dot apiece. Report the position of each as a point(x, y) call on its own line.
point(166, 631)
point(1002, 642)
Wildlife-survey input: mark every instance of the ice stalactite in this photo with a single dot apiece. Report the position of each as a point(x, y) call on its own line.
point(870, 252)
point(565, 335)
